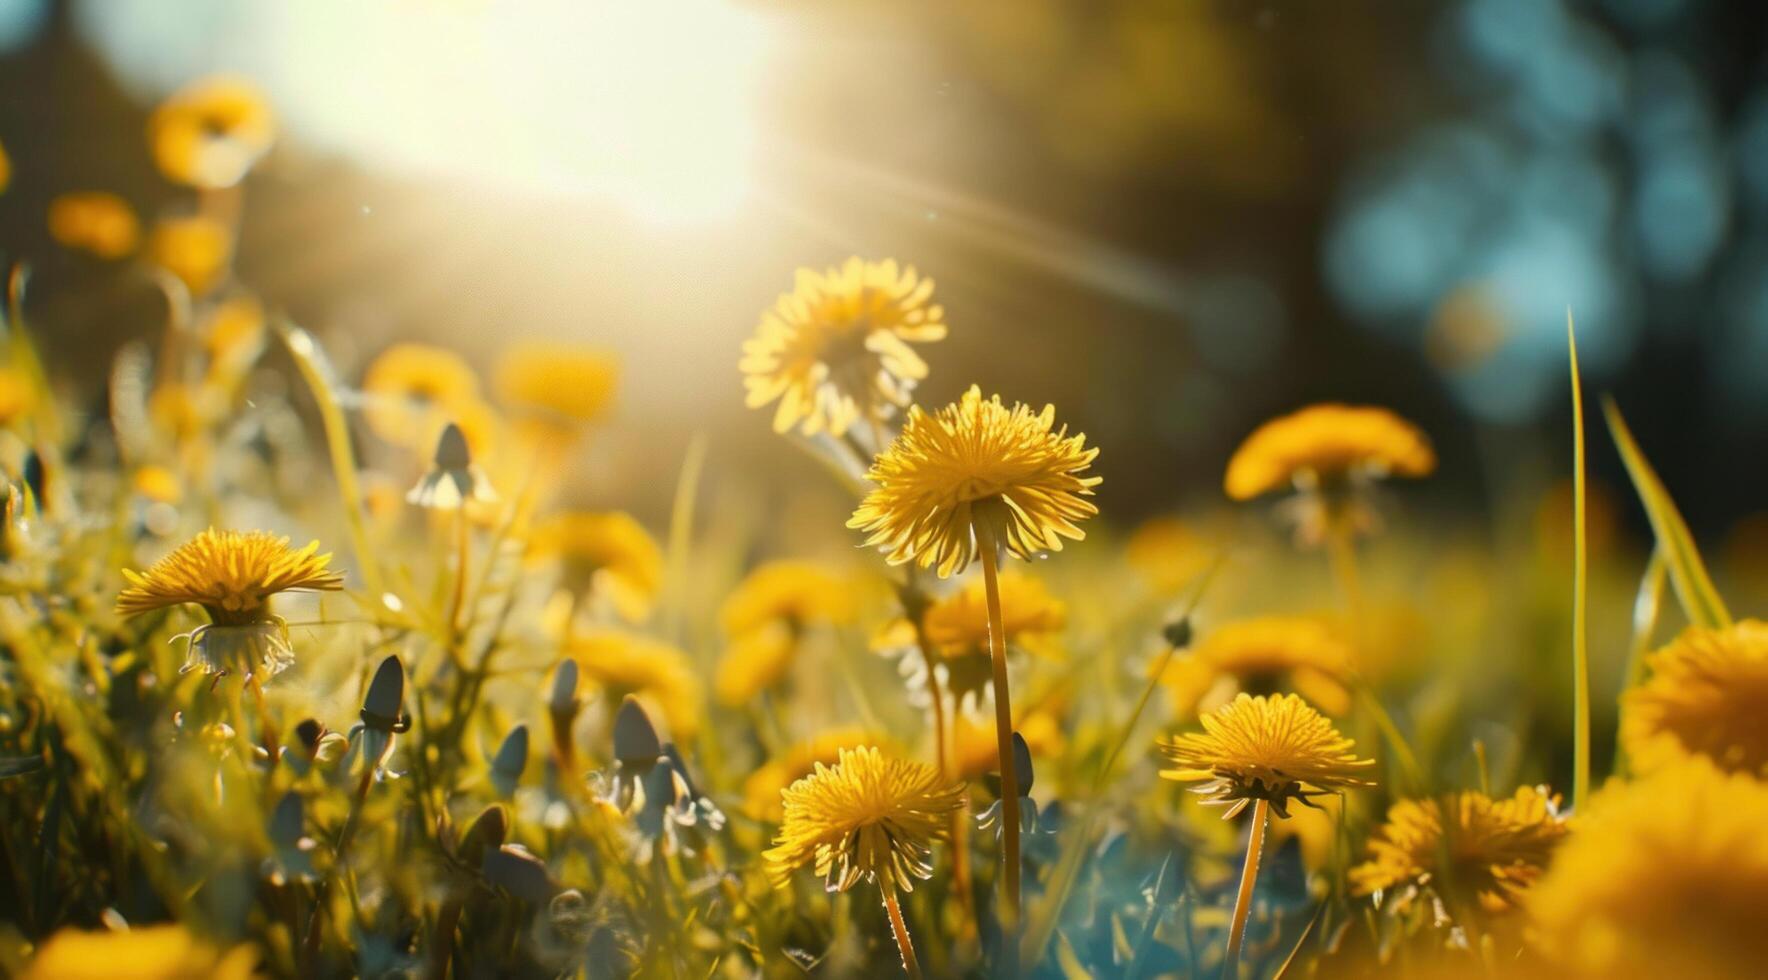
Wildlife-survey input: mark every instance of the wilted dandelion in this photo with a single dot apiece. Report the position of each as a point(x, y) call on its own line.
point(1486, 857)
point(1705, 696)
point(232, 575)
point(98, 222)
point(1267, 751)
point(1266, 655)
point(211, 133)
point(867, 817)
point(835, 350)
point(1665, 877)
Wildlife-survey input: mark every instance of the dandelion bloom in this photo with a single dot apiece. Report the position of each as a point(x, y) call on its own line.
point(167, 952)
point(211, 133)
point(1169, 553)
point(754, 662)
point(1491, 851)
point(1032, 620)
point(194, 248)
point(1665, 877)
point(610, 555)
point(975, 752)
point(868, 816)
point(836, 348)
point(975, 461)
point(1275, 748)
point(1326, 444)
point(562, 383)
point(1706, 696)
point(412, 390)
point(98, 222)
point(17, 395)
point(232, 575)
point(660, 676)
point(1265, 655)
point(792, 592)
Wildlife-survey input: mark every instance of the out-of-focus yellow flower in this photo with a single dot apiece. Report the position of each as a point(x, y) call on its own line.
point(754, 661)
point(5, 169)
point(98, 222)
point(16, 396)
point(166, 952)
point(868, 816)
point(1031, 618)
point(211, 133)
point(1492, 850)
point(181, 411)
point(231, 574)
point(976, 461)
point(1326, 444)
point(609, 555)
point(413, 390)
point(796, 593)
point(761, 791)
point(1266, 655)
point(1707, 695)
point(836, 348)
point(195, 248)
point(563, 384)
point(159, 484)
point(234, 335)
point(975, 752)
point(1168, 552)
point(1664, 877)
point(1275, 748)
point(660, 676)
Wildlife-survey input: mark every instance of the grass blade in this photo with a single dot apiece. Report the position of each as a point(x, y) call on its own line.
point(1580, 585)
point(1688, 573)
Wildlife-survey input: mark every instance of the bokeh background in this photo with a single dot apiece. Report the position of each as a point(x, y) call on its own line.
point(1171, 219)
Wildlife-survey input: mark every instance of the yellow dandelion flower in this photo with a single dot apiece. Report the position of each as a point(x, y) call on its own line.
point(234, 335)
point(1665, 877)
point(211, 133)
point(194, 248)
point(610, 555)
point(957, 624)
point(974, 749)
point(560, 383)
point(761, 790)
point(1492, 850)
point(1705, 697)
point(1327, 444)
point(868, 816)
point(1266, 655)
point(660, 676)
point(231, 574)
point(17, 396)
point(836, 349)
point(166, 952)
point(94, 221)
point(1168, 552)
point(159, 484)
point(756, 660)
point(411, 391)
point(795, 593)
point(1274, 748)
point(976, 461)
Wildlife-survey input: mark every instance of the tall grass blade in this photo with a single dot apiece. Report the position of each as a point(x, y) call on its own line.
point(1688, 573)
point(1580, 585)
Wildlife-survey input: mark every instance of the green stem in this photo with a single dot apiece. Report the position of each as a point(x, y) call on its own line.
point(997, 649)
point(1255, 843)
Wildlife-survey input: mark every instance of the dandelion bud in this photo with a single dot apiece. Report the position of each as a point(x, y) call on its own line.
point(635, 738)
point(564, 690)
point(521, 875)
point(36, 479)
point(1178, 633)
point(511, 759)
point(486, 833)
point(386, 694)
point(451, 450)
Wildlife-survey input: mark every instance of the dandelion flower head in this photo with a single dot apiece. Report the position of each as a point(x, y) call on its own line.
point(231, 574)
point(837, 348)
point(609, 554)
point(868, 816)
point(560, 383)
point(1707, 695)
point(1665, 877)
point(1324, 444)
point(1492, 850)
point(1275, 748)
point(976, 461)
point(98, 222)
point(1264, 655)
point(211, 133)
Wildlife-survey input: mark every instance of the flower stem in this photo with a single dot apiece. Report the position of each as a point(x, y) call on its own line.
point(901, 929)
point(1255, 844)
point(463, 542)
point(997, 649)
point(960, 820)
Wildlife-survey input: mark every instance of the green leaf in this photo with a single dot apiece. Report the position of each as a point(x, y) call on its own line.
point(1688, 573)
